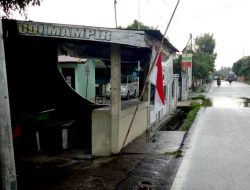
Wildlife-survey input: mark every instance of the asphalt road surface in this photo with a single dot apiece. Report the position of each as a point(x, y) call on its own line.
point(218, 157)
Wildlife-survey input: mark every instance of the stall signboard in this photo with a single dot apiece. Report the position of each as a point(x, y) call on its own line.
point(186, 61)
point(89, 33)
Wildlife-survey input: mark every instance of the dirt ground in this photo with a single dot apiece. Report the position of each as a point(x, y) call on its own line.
point(145, 164)
point(142, 165)
point(128, 171)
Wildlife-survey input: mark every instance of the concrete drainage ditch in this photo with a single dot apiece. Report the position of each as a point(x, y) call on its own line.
point(175, 121)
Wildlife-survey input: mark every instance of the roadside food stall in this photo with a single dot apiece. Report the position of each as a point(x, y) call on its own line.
point(42, 104)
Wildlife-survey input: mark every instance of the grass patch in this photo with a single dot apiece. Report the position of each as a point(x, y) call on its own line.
point(176, 154)
point(195, 107)
point(199, 97)
point(190, 116)
point(247, 81)
point(206, 102)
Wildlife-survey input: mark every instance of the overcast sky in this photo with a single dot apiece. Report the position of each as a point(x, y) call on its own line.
point(227, 20)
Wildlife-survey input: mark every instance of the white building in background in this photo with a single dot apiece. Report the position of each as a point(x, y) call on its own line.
point(103, 138)
point(171, 90)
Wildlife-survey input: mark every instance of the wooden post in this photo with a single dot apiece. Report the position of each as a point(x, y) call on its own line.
point(7, 163)
point(115, 97)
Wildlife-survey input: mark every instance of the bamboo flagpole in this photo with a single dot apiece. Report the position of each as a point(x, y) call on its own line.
point(149, 74)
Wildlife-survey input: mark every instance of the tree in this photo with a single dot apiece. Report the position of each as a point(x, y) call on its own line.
point(205, 44)
point(138, 25)
point(19, 5)
point(204, 55)
point(237, 66)
point(177, 65)
point(224, 72)
point(242, 67)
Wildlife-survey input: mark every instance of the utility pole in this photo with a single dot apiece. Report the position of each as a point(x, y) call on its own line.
point(7, 163)
point(191, 38)
point(115, 2)
point(139, 7)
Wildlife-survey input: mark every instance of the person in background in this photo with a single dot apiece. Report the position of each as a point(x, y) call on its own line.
point(219, 81)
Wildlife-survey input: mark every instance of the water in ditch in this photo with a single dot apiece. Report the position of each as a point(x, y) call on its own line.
point(230, 102)
point(176, 120)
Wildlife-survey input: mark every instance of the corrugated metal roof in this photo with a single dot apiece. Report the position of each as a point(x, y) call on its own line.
point(135, 44)
point(158, 35)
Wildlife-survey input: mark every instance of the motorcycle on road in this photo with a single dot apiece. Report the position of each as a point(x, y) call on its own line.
point(218, 82)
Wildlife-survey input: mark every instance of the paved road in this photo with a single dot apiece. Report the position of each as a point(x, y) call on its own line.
point(219, 151)
point(235, 90)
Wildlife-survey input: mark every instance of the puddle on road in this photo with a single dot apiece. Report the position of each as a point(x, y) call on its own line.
point(230, 102)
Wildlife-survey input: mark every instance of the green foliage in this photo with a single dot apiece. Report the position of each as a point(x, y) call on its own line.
point(247, 78)
point(20, 5)
point(199, 97)
point(177, 65)
point(195, 107)
point(176, 154)
point(195, 104)
point(205, 44)
point(245, 68)
point(242, 67)
point(204, 56)
point(223, 72)
point(190, 116)
point(135, 25)
point(237, 66)
point(206, 102)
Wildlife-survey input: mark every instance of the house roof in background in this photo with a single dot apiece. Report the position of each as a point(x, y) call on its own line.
point(158, 35)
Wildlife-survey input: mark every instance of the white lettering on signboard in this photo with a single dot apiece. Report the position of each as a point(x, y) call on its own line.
point(77, 33)
point(50, 30)
point(54, 31)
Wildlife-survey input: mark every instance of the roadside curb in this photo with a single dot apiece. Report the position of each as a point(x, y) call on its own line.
point(178, 180)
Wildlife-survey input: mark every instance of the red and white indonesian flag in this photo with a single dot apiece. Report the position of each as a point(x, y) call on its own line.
point(157, 79)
